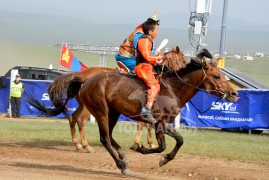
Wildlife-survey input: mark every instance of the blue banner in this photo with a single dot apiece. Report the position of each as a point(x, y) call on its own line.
point(249, 112)
point(39, 90)
point(4, 97)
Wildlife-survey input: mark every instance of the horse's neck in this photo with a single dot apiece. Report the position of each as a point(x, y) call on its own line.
point(183, 87)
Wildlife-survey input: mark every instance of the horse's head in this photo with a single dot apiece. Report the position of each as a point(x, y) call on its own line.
point(217, 83)
point(174, 59)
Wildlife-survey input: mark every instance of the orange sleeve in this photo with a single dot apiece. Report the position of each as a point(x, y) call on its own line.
point(140, 26)
point(144, 46)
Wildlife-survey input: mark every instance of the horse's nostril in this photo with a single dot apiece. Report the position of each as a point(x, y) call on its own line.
point(233, 94)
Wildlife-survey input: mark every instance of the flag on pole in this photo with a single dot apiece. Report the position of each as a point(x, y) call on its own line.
point(70, 61)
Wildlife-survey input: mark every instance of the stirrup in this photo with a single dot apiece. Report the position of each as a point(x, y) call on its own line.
point(147, 116)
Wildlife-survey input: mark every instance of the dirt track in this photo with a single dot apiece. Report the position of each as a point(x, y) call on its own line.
point(21, 161)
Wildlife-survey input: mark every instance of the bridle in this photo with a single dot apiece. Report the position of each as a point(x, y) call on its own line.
point(224, 95)
point(201, 82)
point(170, 60)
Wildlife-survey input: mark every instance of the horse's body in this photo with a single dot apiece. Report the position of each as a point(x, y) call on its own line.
point(81, 114)
point(108, 95)
point(57, 92)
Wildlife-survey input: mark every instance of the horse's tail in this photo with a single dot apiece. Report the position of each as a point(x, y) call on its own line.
point(57, 90)
point(43, 110)
point(74, 87)
point(58, 95)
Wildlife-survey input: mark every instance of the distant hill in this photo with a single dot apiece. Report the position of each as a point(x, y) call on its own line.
point(25, 28)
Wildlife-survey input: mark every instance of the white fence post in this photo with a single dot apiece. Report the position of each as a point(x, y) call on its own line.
point(92, 119)
point(177, 121)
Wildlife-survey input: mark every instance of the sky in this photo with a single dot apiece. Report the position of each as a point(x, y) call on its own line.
point(247, 19)
point(116, 11)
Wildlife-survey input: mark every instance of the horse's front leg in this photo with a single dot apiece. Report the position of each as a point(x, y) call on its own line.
point(149, 136)
point(171, 131)
point(138, 135)
point(160, 136)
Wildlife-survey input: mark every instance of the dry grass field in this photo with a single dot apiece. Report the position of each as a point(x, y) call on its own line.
point(42, 149)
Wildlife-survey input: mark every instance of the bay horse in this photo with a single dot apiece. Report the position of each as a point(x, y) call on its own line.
point(107, 95)
point(57, 92)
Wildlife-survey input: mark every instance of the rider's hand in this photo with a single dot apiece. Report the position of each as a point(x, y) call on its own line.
point(157, 53)
point(160, 60)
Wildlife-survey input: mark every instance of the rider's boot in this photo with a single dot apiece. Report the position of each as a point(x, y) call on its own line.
point(147, 116)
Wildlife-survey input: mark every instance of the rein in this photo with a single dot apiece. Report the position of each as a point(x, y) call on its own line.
point(207, 108)
point(208, 91)
point(197, 87)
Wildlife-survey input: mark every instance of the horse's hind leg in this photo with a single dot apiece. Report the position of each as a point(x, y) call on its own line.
point(105, 139)
point(80, 116)
point(171, 131)
point(81, 121)
point(72, 122)
point(113, 118)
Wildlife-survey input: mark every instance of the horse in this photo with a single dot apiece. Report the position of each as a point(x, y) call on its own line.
point(57, 93)
point(107, 95)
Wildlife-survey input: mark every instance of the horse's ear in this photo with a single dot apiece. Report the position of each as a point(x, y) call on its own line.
point(217, 61)
point(206, 64)
point(177, 49)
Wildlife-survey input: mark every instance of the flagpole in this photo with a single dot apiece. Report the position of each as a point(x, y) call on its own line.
point(60, 56)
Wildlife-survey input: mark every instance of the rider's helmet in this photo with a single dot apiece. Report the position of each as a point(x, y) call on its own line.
point(154, 17)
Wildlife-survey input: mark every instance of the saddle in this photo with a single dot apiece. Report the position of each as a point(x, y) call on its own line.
point(123, 69)
point(156, 68)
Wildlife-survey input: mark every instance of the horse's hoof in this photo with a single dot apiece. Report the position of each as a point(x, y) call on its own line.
point(126, 172)
point(134, 147)
point(90, 149)
point(78, 147)
point(163, 161)
point(152, 146)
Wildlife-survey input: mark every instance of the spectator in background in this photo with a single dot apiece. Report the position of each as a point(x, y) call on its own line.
point(16, 89)
point(40, 77)
point(33, 76)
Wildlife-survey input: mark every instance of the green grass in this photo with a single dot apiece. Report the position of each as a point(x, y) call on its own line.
point(42, 56)
point(257, 69)
point(210, 143)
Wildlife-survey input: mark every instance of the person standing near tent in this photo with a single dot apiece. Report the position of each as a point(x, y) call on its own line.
point(127, 49)
point(16, 89)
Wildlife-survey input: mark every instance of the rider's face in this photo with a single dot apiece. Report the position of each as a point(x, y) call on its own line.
point(153, 34)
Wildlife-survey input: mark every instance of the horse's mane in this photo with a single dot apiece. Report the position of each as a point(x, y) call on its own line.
point(166, 72)
point(191, 66)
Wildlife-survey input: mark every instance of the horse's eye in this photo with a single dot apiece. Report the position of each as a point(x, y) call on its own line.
point(216, 77)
